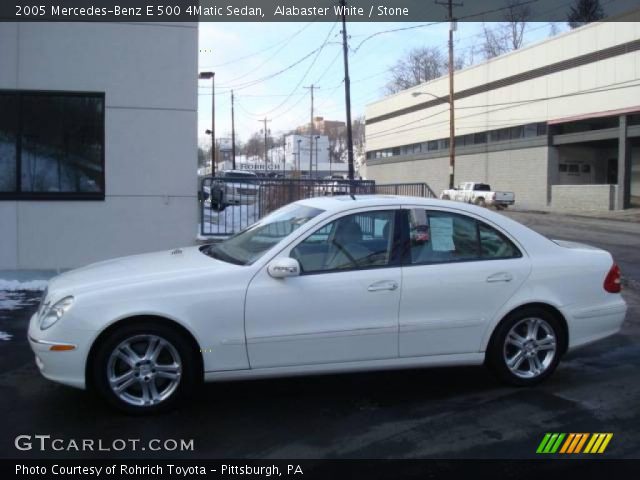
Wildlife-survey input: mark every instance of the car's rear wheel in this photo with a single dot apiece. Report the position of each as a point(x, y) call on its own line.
point(481, 202)
point(145, 368)
point(526, 347)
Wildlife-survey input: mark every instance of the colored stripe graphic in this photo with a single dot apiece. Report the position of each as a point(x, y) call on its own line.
point(573, 443)
point(550, 443)
point(598, 442)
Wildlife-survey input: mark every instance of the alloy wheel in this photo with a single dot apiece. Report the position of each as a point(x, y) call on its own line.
point(529, 347)
point(144, 370)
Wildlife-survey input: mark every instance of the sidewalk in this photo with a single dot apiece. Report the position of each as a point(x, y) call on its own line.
point(628, 215)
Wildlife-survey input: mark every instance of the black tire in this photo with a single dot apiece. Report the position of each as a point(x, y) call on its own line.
point(499, 350)
point(480, 202)
point(189, 372)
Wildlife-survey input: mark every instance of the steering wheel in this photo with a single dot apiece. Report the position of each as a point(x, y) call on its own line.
point(346, 253)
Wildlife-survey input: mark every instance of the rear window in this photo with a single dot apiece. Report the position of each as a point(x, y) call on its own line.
point(482, 187)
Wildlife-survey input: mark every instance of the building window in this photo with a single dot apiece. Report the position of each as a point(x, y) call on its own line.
point(542, 129)
point(479, 138)
point(562, 168)
point(432, 145)
point(51, 145)
point(517, 132)
point(586, 168)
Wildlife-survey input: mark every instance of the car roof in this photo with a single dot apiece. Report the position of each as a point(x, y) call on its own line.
point(347, 202)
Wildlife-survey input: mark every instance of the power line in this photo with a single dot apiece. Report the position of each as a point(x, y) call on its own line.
point(315, 51)
point(304, 76)
point(266, 49)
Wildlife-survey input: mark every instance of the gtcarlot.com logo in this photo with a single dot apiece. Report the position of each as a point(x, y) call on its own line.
point(574, 443)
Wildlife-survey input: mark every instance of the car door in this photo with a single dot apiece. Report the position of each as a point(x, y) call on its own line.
point(343, 307)
point(458, 270)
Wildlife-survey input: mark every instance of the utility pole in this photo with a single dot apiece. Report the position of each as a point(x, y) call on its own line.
point(347, 90)
point(311, 130)
point(212, 76)
point(265, 121)
point(233, 136)
point(452, 126)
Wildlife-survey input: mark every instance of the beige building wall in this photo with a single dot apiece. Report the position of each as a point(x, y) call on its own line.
point(523, 171)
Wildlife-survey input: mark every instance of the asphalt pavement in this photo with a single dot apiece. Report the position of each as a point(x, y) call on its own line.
point(436, 413)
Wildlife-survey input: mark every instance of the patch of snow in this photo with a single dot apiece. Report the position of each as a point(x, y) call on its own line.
point(231, 220)
point(5, 336)
point(15, 285)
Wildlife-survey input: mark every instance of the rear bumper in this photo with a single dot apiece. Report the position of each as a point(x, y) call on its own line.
point(589, 324)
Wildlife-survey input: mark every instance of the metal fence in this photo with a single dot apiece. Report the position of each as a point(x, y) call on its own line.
point(228, 205)
point(408, 189)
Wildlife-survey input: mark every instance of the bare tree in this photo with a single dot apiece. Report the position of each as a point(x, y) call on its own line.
point(554, 29)
point(583, 12)
point(419, 65)
point(507, 35)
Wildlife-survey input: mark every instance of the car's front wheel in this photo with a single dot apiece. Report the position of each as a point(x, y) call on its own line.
point(144, 368)
point(526, 347)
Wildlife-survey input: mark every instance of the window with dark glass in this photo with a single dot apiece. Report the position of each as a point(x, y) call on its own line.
point(432, 145)
point(438, 237)
point(51, 145)
point(479, 138)
point(9, 115)
point(353, 242)
point(442, 237)
point(516, 132)
point(494, 245)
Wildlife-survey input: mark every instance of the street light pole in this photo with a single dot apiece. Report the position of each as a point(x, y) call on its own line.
point(317, 138)
point(233, 136)
point(212, 76)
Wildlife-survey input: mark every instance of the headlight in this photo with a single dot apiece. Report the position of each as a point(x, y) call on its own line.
point(54, 313)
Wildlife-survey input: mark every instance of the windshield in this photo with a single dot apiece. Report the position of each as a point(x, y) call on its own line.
point(249, 245)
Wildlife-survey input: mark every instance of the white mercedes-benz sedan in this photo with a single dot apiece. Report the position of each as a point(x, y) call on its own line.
point(328, 285)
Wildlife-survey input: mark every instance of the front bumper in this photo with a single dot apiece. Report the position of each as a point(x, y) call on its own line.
point(62, 366)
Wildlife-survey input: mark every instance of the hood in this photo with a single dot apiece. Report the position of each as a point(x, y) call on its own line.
point(136, 268)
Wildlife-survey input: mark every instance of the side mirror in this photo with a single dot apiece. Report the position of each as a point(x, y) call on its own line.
point(284, 267)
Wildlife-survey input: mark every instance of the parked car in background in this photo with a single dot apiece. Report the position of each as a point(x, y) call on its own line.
point(234, 187)
point(333, 185)
point(479, 194)
point(327, 285)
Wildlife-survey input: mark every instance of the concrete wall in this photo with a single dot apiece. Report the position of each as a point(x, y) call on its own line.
point(148, 73)
point(583, 197)
point(434, 171)
point(522, 171)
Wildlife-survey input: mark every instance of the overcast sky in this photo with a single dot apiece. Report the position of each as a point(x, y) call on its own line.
point(243, 54)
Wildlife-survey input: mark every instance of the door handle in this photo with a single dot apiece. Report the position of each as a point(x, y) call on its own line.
point(383, 285)
point(500, 277)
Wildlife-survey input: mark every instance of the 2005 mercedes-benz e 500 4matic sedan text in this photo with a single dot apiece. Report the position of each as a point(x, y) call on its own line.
point(328, 285)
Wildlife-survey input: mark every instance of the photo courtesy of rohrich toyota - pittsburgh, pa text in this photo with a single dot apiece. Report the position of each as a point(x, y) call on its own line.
point(319, 239)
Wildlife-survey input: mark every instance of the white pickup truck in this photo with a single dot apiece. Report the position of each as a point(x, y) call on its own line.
point(480, 194)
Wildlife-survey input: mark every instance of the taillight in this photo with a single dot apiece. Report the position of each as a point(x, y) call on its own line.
point(612, 280)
